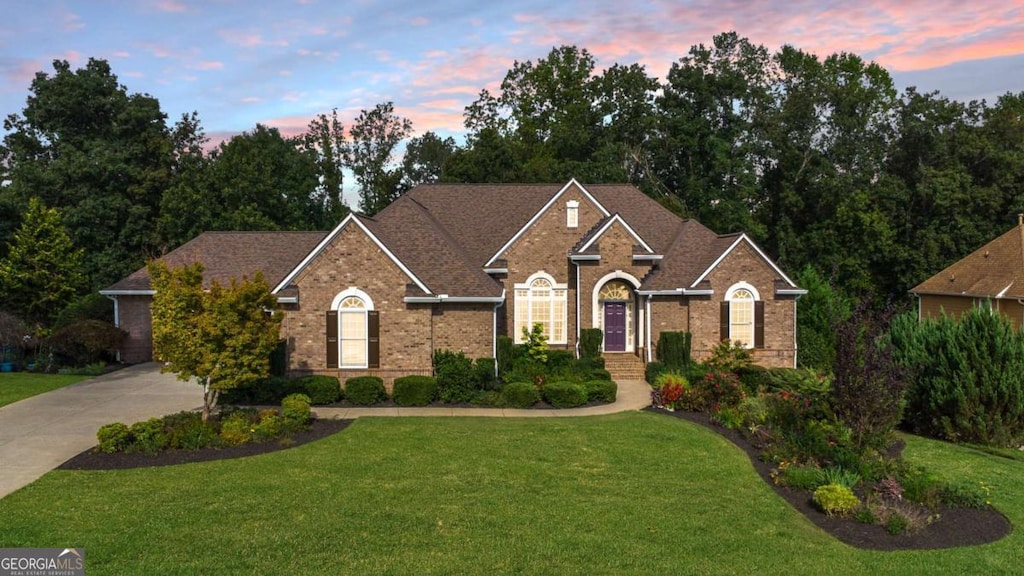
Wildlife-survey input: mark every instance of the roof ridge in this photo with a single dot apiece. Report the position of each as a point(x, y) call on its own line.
point(456, 246)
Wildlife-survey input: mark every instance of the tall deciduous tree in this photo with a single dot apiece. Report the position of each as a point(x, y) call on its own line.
point(222, 336)
point(42, 272)
point(99, 154)
point(325, 141)
point(376, 135)
point(424, 160)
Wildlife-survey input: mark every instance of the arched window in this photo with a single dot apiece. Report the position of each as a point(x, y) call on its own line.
point(353, 331)
point(743, 316)
point(541, 301)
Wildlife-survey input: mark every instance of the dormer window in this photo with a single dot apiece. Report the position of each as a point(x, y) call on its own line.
point(572, 214)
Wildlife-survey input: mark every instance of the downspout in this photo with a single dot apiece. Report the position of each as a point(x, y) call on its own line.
point(795, 350)
point(494, 337)
point(117, 320)
point(647, 322)
point(577, 264)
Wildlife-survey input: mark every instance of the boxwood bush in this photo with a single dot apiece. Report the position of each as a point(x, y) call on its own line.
point(414, 390)
point(601, 390)
point(295, 411)
point(520, 394)
point(565, 394)
point(365, 390)
point(321, 389)
point(113, 437)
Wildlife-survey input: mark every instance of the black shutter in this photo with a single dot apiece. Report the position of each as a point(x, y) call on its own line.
point(723, 327)
point(332, 338)
point(373, 343)
point(759, 324)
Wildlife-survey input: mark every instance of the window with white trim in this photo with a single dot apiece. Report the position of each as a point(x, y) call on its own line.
point(572, 214)
point(541, 301)
point(352, 332)
point(743, 316)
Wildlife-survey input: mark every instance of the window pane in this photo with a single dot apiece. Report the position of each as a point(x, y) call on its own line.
point(741, 322)
point(353, 352)
point(353, 325)
point(558, 317)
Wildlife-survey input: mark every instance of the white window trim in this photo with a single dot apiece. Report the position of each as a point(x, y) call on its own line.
point(572, 214)
point(335, 305)
point(555, 286)
point(730, 296)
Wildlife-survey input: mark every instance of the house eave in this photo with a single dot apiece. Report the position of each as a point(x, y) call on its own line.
point(444, 298)
point(790, 292)
point(127, 292)
point(677, 292)
point(496, 270)
point(585, 258)
point(653, 257)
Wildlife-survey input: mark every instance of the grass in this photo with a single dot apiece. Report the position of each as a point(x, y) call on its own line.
point(16, 386)
point(634, 493)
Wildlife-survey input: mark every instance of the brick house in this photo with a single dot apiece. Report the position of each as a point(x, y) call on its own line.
point(452, 266)
point(991, 276)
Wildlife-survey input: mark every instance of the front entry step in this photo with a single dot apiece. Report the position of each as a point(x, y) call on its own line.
point(626, 366)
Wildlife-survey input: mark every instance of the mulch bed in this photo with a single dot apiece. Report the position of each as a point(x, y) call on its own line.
point(955, 526)
point(94, 460)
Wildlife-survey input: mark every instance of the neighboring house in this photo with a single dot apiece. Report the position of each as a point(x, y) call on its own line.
point(991, 276)
point(454, 266)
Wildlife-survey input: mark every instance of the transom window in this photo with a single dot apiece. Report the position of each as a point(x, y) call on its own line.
point(541, 301)
point(615, 290)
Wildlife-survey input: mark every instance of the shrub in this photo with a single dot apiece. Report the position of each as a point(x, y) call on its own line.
point(365, 390)
point(867, 393)
point(653, 370)
point(113, 437)
point(187, 431)
point(563, 394)
point(722, 389)
point(520, 394)
point(148, 436)
point(727, 417)
point(674, 392)
point(560, 361)
point(674, 350)
point(322, 389)
point(865, 515)
point(265, 392)
point(483, 369)
point(730, 357)
point(85, 341)
point(754, 378)
point(487, 398)
point(819, 312)
point(526, 369)
point(295, 411)
point(456, 378)
point(835, 500)
point(236, 429)
point(920, 486)
point(590, 342)
point(414, 390)
point(968, 376)
point(505, 351)
point(889, 489)
point(965, 495)
point(601, 390)
point(896, 524)
point(271, 426)
point(839, 475)
point(754, 410)
point(801, 477)
point(535, 342)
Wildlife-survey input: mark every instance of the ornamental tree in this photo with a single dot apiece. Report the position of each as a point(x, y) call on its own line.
point(221, 336)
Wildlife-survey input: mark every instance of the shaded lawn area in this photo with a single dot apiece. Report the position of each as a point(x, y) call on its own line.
point(634, 493)
point(16, 386)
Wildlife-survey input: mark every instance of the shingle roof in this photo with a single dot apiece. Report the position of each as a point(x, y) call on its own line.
point(227, 255)
point(994, 270)
point(691, 252)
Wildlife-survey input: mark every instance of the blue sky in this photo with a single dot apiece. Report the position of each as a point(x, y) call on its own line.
point(280, 63)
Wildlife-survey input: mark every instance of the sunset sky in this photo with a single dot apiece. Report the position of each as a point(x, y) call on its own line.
point(279, 63)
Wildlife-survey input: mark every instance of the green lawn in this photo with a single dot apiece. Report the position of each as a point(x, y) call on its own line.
point(635, 493)
point(16, 386)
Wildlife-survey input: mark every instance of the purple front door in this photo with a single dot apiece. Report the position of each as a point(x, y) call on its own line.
point(615, 326)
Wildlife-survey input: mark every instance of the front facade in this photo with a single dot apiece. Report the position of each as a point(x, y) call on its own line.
point(991, 277)
point(455, 266)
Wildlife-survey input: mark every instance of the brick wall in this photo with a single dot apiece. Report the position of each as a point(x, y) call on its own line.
point(744, 264)
point(135, 318)
point(353, 260)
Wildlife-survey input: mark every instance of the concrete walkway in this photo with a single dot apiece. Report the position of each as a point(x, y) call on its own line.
point(39, 433)
point(632, 395)
point(42, 432)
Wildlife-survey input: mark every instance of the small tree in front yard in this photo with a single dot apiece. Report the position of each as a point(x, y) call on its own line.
point(222, 337)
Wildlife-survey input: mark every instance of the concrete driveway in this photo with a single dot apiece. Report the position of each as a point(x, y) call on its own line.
point(39, 433)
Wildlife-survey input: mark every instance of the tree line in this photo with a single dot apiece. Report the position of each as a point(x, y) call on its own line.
point(820, 160)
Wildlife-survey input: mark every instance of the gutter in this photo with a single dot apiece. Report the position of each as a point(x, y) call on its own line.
point(577, 264)
point(117, 316)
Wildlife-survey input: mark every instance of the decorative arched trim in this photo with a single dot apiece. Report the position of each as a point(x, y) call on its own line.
point(597, 310)
point(352, 291)
point(731, 292)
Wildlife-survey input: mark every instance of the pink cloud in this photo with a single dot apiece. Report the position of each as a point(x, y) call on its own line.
point(171, 6)
point(248, 39)
point(419, 21)
point(252, 100)
point(69, 22)
point(209, 65)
